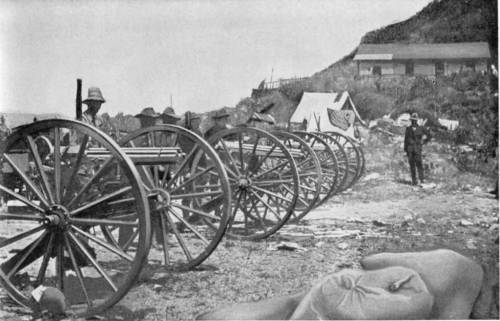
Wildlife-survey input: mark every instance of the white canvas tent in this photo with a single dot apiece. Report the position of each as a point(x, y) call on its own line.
point(313, 108)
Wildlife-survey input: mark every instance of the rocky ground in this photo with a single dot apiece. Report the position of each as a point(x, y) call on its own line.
point(382, 212)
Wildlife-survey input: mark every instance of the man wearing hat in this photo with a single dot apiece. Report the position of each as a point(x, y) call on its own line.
point(93, 102)
point(221, 117)
point(169, 117)
point(148, 117)
point(415, 137)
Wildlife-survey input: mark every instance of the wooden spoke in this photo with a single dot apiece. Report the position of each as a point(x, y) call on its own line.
point(164, 237)
point(200, 194)
point(96, 221)
point(191, 179)
point(100, 200)
point(299, 198)
point(273, 194)
point(266, 205)
point(60, 263)
point(231, 159)
point(165, 173)
point(21, 198)
point(145, 173)
point(45, 261)
point(259, 218)
point(130, 240)
point(240, 142)
point(178, 235)
point(39, 165)
point(181, 167)
point(21, 236)
point(96, 176)
point(96, 265)
point(77, 270)
point(272, 169)
point(230, 171)
point(195, 211)
point(27, 181)
point(105, 245)
point(29, 251)
point(261, 161)
point(76, 167)
point(57, 165)
point(189, 226)
point(307, 188)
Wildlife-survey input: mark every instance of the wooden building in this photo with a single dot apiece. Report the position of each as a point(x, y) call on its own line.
point(421, 59)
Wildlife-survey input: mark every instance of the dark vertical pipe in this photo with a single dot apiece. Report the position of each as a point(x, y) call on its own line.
point(79, 99)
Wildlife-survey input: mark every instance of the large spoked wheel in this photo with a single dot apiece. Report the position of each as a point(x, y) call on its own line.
point(188, 192)
point(51, 238)
point(346, 169)
point(309, 169)
point(329, 168)
point(263, 177)
point(354, 156)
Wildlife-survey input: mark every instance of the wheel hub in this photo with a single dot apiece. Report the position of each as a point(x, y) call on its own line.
point(162, 198)
point(57, 216)
point(244, 182)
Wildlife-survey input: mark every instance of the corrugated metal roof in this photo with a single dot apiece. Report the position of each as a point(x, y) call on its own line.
point(462, 50)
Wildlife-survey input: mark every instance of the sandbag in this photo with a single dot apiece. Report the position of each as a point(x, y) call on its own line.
point(391, 293)
point(454, 280)
point(280, 308)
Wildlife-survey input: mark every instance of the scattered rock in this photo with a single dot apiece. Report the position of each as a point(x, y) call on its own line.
point(477, 189)
point(428, 185)
point(319, 244)
point(343, 246)
point(466, 223)
point(421, 221)
point(471, 244)
point(286, 246)
point(371, 176)
point(408, 217)
point(378, 223)
point(157, 287)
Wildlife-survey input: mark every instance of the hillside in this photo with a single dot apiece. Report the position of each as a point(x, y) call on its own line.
point(444, 21)
point(466, 97)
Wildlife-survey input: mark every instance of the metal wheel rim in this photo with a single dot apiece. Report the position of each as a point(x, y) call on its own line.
point(58, 196)
point(233, 167)
point(177, 211)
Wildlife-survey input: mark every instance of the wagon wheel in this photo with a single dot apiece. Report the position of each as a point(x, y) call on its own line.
point(353, 155)
point(329, 169)
point(263, 177)
point(309, 169)
point(51, 240)
point(353, 151)
point(347, 169)
point(189, 196)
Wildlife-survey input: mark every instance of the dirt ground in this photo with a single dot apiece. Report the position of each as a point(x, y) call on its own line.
point(378, 214)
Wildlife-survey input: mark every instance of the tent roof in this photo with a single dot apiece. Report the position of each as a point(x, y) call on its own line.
point(313, 108)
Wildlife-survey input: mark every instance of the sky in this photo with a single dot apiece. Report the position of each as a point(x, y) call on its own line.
point(202, 54)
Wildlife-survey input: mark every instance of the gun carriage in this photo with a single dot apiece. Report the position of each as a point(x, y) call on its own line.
point(89, 207)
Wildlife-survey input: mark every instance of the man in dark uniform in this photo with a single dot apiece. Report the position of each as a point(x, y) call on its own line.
point(220, 118)
point(415, 137)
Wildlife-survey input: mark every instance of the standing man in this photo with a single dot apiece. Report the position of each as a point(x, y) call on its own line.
point(415, 137)
point(93, 102)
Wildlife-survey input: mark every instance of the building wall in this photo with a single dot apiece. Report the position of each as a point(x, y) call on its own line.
point(399, 68)
point(366, 67)
point(452, 67)
point(424, 68)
